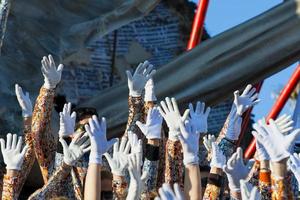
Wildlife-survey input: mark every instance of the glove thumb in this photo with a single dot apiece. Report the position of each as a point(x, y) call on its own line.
point(64, 144)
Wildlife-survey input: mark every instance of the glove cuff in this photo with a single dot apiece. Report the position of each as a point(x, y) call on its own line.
point(13, 167)
point(280, 156)
point(134, 93)
point(95, 158)
point(149, 95)
point(118, 172)
point(190, 158)
point(26, 113)
point(48, 85)
point(173, 135)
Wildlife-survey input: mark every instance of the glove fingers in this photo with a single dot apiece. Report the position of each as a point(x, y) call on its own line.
point(169, 104)
point(8, 141)
point(129, 75)
point(26, 147)
point(192, 112)
point(64, 144)
point(19, 144)
point(2, 143)
point(185, 114)
point(175, 106)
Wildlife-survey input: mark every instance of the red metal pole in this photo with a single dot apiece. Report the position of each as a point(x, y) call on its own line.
point(198, 24)
point(277, 107)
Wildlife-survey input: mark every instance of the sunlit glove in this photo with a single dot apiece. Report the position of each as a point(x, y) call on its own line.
point(136, 145)
point(235, 170)
point(80, 145)
point(248, 192)
point(276, 144)
point(248, 99)
point(118, 162)
point(138, 80)
point(198, 117)
point(24, 101)
point(207, 141)
point(170, 112)
point(261, 152)
point(99, 143)
point(294, 164)
point(190, 143)
point(218, 159)
point(166, 192)
point(234, 125)
point(137, 181)
point(152, 128)
point(51, 75)
point(149, 91)
point(12, 153)
point(284, 124)
point(66, 121)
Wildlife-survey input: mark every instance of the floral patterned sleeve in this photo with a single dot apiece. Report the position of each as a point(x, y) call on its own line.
point(44, 141)
point(265, 184)
point(120, 187)
point(281, 188)
point(174, 163)
point(55, 185)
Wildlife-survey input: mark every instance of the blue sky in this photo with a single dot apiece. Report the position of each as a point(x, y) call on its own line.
point(223, 15)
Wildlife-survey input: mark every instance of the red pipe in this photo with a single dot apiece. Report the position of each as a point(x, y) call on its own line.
point(277, 107)
point(198, 24)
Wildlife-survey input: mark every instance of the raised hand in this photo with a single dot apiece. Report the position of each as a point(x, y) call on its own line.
point(248, 99)
point(170, 112)
point(294, 164)
point(80, 145)
point(207, 141)
point(138, 80)
point(284, 123)
point(166, 192)
point(119, 161)
point(13, 154)
point(52, 75)
point(149, 91)
point(137, 180)
point(198, 117)
point(152, 128)
point(66, 121)
point(235, 170)
point(99, 143)
point(24, 101)
point(270, 136)
point(218, 159)
point(249, 192)
point(190, 143)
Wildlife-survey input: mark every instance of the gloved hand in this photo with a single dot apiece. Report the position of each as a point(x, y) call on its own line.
point(136, 145)
point(218, 159)
point(138, 80)
point(152, 128)
point(51, 75)
point(166, 192)
point(99, 143)
point(235, 170)
point(261, 152)
point(294, 164)
point(276, 144)
point(80, 145)
point(66, 121)
point(24, 101)
point(137, 181)
point(248, 192)
point(118, 163)
point(190, 143)
point(284, 124)
point(149, 91)
point(248, 99)
point(234, 125)
point(198, 117)
point(207, 141)
point(170, 112)
point(12, 155)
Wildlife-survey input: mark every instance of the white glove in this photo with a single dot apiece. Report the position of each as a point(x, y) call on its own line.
point(294, 164)
point(149, 91)
point(136, 145)
point(138, 80)
point(248, 99)
point(234, 125)
point(235, 170)
point(12, 155)
point(170, 112)
point(118, 163)
point(207, 141)
point(99, 143)
point(152, 128)
point(261, 152)
point(248, 192)
point(199, 117)
point(190, 143)
point(284, 123)
point(80, 145)
point(24, 101)
point(276, 144)
point(218, 159)
point(166, 192)
point(66, 121)
point(51, 75)
point(137, 181)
